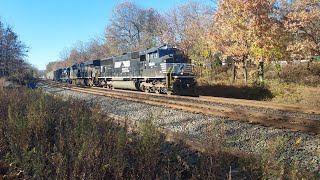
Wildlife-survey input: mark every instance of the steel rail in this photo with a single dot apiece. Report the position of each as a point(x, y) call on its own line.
point(243, 102)
point(295, 124)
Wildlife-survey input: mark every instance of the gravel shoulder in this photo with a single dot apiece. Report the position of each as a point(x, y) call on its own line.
point(295, 147)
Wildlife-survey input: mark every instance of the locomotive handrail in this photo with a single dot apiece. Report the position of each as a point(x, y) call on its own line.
point(169, 77)
point(172, 69)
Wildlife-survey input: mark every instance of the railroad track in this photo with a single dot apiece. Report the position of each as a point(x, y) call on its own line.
point(170, 136)
point(202, 105)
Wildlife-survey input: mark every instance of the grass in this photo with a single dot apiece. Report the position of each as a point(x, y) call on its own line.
point(292, 84)
point(51, 138)
point(46, 137)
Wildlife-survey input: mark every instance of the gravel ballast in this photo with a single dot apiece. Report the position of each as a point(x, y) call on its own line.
point(296, 147)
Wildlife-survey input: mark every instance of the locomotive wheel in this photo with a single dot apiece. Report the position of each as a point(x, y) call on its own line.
point(152, 89)
point(145, 89)
point(157, 91)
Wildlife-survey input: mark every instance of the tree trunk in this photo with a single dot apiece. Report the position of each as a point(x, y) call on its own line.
point(212, 69)
point(260, 71)
point(245, 71)
point(309, 63)
point(200, 70)
point(234, 73)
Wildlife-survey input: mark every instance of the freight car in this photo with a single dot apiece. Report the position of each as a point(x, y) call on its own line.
point(162, 69)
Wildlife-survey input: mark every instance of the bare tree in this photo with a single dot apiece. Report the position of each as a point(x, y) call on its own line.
point(132, 28)
point(188, 27)
point(12, 51)
point(97, 48)
point(64, 54)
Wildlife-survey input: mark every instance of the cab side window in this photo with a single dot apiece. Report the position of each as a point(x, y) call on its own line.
point(152, 55)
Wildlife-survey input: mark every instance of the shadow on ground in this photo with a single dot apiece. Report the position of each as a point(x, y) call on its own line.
point(242, 92)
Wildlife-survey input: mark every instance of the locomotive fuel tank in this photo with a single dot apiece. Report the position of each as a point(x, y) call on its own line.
point(124, 85)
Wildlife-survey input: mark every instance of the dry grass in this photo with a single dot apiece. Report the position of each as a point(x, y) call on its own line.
point(43, 137)
point(293, 93)
point(2, 83)
point(301, 74)
point(310, 97)
point(293, 84)
point(50, 138)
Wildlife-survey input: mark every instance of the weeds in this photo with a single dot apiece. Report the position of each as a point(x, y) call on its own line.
point(302, 74)
point(283, 92)
point(275, 166)
point(293, 83)
point(43, 137)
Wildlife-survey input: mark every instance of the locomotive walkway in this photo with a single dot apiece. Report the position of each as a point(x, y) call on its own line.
point(296, 118)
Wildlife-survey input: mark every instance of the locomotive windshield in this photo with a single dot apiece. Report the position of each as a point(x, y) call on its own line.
point(169, 51)
point(175, 55)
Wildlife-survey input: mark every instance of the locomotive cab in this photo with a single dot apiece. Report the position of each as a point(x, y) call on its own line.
point(169, 70)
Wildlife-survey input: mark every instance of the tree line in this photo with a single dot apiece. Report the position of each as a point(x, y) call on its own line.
point(12, 54)
point(242, 31)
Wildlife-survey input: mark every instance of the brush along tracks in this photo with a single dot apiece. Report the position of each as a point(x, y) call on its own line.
point(202, 105)
point(183, 140)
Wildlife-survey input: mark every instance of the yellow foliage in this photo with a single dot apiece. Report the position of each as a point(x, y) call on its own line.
point(298, 141)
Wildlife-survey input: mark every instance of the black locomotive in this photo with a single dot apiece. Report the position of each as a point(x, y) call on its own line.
point(163, 69)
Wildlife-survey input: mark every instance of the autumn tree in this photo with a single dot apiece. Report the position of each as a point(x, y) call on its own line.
point(54, 65)
point(80, 52)
point(248, 30)
point(303, 22)
point(232, 31)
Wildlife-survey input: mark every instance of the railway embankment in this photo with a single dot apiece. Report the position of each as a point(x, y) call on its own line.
point(47, 137)
point(271, 144)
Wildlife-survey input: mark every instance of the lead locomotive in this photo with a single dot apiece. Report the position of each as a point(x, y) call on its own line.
point(163, 69)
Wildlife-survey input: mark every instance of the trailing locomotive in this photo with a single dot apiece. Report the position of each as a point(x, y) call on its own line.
point(163, 69)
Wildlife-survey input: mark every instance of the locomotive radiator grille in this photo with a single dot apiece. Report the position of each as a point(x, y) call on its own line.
point(179, 68)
